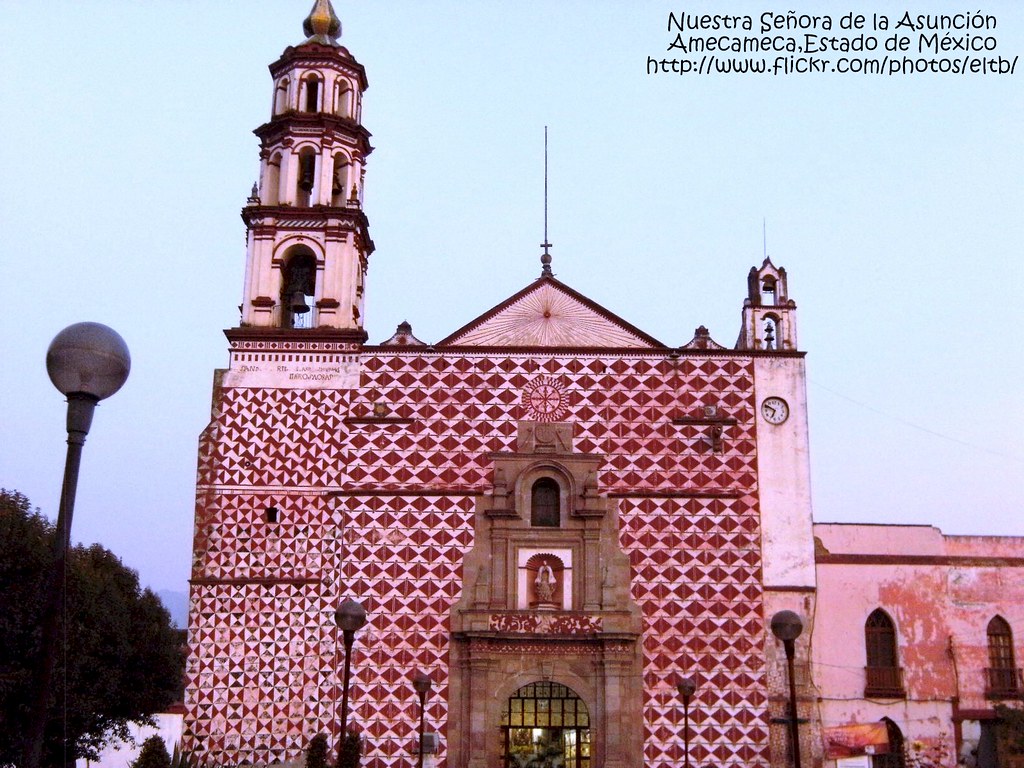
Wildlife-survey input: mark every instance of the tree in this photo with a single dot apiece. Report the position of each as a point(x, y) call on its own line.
point(351, 750)
point(316, 753)
point(153, 754)
point(119, 659)
point(1010, 735)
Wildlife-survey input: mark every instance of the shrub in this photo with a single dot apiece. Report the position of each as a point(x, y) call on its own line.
point(153, 754)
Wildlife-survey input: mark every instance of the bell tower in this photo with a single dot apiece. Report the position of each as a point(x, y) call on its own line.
point(769, 315)
point(308, 241)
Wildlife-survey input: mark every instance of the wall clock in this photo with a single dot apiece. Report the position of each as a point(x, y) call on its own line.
point(775, 410)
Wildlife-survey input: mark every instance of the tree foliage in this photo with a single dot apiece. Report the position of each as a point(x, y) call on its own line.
point(351, 750)
point(1010, 734)
point(316, 753)
point(153, 754)
point(119, 659)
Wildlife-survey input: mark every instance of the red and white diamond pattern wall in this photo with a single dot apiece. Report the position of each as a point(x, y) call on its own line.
point(696, 577)
point(375, 489)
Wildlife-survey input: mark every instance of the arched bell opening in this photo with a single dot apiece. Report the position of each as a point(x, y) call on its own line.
point(298, 290)
point(342, 98)
point(305, 182)
point(546, 724)
point(339, 180)
point(270, 189)
point(281, 96)
point(772, 330)
point(312, 90)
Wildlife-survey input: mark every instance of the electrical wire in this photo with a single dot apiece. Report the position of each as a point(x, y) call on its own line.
point(911, 424)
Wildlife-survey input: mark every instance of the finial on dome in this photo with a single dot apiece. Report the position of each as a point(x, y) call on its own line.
point(322, 25)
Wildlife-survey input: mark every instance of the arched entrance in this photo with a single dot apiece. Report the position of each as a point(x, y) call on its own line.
point(546, 725)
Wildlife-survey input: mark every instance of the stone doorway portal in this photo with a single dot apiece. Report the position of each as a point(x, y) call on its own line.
point(546, 667)
point(546, 725)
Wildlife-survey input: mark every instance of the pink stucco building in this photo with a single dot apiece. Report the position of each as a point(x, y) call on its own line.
point(916, 629)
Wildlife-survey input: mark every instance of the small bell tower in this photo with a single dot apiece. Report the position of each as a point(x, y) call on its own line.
point(769, 315)
point(308, 240)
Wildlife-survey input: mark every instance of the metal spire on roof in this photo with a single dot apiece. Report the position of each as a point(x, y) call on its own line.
point(545, 258)
point(322, 25)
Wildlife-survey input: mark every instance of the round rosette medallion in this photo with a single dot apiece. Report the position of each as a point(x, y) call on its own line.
point(544, 400)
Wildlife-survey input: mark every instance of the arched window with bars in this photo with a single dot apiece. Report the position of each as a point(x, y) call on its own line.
point(545, 506)
point(884, 676)
point(1002, 675)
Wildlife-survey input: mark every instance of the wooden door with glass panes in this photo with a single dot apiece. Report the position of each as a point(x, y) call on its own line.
point(546, 725)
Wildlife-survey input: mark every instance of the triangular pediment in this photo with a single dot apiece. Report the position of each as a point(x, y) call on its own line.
point(548, 313)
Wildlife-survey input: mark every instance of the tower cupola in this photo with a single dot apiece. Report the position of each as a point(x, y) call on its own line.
point(308, 240)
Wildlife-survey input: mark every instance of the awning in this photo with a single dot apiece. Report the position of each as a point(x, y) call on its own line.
point(856, 739)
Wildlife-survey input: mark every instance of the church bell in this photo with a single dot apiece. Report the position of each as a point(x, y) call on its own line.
point(298, 305)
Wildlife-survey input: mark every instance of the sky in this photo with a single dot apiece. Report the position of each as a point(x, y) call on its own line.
point(894, 202)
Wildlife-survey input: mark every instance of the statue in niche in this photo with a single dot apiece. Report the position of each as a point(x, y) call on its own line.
point(544, 585)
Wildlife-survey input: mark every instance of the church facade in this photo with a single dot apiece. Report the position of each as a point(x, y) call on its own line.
point(554, 515)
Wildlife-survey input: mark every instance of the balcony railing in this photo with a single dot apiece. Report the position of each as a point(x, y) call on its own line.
point(884, 683)
point(1003, 683)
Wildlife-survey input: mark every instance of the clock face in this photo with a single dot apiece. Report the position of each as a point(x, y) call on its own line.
point(775, 410)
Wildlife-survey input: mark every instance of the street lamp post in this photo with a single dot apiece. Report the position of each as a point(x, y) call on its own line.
point(787, 626)
point(687, 686)
point(349, 616)
point(87, 362)
point(422, 683)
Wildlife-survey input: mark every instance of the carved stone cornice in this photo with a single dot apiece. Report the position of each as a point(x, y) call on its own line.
point(292, 340)
point(316, 55)
point(318, 124)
